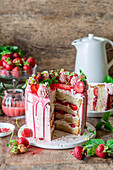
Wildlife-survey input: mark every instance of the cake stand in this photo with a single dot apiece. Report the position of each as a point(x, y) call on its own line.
point(62, 140)
point(98, 114)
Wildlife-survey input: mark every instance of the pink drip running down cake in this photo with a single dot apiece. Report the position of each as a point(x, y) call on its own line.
point(100, 97)
point(56, 100)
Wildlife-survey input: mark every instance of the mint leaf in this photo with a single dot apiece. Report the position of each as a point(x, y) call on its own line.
point(108, 126)
point(91, 131)
point(108, 79)
point(99, 125)
point(110, 144)
point(93, 142)
point(106, 116)
point(92, 150)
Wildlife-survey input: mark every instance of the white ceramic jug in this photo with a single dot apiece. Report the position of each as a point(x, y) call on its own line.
point(91, 57)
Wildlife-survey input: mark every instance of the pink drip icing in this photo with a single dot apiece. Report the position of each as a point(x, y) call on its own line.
point(34, 122)
point(44, 102)
point(26, 106)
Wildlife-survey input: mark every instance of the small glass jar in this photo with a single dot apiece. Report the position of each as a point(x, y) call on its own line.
point(13, 103)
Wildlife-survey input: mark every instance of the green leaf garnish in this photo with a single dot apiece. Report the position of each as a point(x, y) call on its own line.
point(105, 122)
point(108, 79)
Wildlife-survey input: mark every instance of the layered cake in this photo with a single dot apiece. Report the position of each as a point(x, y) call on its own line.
point(100, 97)
point(56, 100)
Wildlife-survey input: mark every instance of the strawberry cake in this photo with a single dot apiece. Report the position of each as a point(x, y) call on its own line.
point(56, 100)
point(100, 97)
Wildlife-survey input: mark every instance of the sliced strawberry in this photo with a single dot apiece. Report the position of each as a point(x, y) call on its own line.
point(34, 88)
point(95, 91)
point(73, 106)
point(79, 87)
point(26, 132)
point(72, 125)
point(64, 87)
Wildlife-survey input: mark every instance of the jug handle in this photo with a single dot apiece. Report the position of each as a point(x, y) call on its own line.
point(111, 62)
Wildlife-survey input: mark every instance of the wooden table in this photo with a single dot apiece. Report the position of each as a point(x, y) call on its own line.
point(50, 159)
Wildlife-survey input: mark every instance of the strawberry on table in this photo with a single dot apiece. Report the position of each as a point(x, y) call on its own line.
point(79, 153)
point(99, 151)
point(79, 87)
point(26, 132)
point(22, 148)
point(31, 60)
point(22, 140)
point(16, 72)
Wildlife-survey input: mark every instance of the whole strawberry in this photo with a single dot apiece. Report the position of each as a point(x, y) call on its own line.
point(79, 153)
point(99, 151)
point(23, 141)
point(31, 60)
point(22, 148)
point(26, 132)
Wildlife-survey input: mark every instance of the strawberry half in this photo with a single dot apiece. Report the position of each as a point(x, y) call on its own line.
point(64, 87)
point(79, 87)
point(34, 88)
point(73, 106)
point(95, 91)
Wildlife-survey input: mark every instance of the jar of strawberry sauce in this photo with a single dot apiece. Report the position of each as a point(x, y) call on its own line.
point(13, 103)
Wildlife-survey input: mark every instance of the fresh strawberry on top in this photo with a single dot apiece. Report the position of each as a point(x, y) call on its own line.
point(79, 87)
point(16, 55)
point(26, 132)
point(16, 72)
point(23, 141)
point(38, 77)
point(18, 61)
point(64, 86)
point(34, 88)
point(27, 67)
point(32, 61)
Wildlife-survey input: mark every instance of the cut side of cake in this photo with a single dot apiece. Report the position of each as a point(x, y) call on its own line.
point(100, 97)
point(56, 100)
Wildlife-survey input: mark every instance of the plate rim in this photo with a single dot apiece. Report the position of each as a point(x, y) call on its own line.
point(61, 147)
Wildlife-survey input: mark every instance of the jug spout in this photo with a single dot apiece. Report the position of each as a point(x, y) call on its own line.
point(77, 43)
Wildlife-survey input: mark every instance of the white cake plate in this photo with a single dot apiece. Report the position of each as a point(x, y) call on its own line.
point(61, 140)
point(9, 126)
point(98, 114)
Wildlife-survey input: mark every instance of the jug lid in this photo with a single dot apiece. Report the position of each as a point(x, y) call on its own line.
point(90, 39)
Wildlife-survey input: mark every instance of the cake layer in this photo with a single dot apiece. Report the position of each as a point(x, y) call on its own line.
point(67, 127)
point(60, 114)
point(100, 96)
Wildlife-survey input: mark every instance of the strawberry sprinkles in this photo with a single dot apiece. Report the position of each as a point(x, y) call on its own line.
point(3, 130)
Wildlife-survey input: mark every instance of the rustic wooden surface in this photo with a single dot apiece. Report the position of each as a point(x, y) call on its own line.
point(45, 28)
point(51, 159)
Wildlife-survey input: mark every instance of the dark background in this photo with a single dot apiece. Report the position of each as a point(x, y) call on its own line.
point(45, 29)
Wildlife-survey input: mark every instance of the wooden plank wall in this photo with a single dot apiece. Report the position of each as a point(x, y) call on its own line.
point(45, 28)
